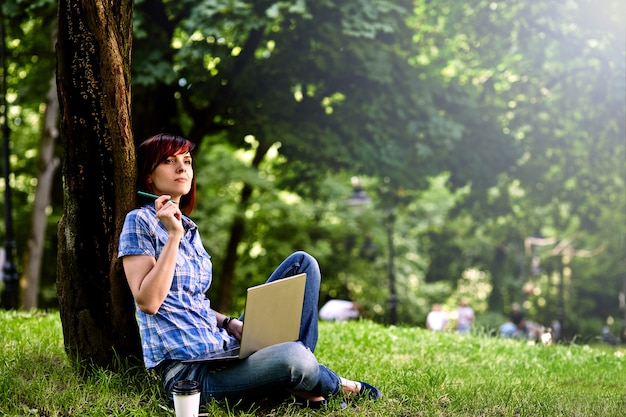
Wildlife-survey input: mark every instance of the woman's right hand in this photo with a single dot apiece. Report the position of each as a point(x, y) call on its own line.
point(169, 214)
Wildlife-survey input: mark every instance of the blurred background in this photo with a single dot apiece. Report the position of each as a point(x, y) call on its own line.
point(424, 151)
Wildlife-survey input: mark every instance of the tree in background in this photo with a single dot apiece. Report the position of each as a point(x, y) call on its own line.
point(559, 91)
point(30, 31)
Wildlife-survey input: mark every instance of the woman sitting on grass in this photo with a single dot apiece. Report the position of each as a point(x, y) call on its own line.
point(169, 272)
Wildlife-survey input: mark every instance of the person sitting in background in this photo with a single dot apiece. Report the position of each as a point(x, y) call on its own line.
point(437, 320)
point(607, 337)
point(519, 327)
point(340, 310)
point(508, 329)
point(465, 317)
point(516, 326)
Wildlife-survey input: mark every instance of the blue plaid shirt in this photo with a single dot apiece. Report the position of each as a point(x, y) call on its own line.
point(185, 326)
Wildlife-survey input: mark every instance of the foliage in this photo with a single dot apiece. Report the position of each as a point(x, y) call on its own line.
point(559, 91)
point(419, 372)
point(518, 108)
point(279, 222)
point(29, 55)
point(337, 95)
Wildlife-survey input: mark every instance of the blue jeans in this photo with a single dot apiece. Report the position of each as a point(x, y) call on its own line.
point(275, 370)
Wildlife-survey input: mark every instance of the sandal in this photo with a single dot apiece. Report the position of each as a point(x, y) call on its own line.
point(369, 391)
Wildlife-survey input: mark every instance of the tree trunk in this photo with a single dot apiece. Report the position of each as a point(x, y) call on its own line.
point(495, 301)
point(93, 76)
point(237, 232)
point(48, 164)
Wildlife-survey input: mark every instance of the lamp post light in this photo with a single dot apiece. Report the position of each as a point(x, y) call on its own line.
point(359, 197)
point(9, 270)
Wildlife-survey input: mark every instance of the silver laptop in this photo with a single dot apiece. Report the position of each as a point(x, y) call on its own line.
point(272, 315)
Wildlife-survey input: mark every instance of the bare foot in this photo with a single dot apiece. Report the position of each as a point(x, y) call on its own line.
point(349, 387)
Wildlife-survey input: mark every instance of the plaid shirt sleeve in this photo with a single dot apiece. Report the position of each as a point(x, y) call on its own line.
point(136, 238)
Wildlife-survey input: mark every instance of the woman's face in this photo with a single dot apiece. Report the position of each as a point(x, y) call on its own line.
point(173, 176)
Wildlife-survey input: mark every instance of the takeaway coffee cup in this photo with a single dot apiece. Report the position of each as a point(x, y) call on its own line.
point(186, 398)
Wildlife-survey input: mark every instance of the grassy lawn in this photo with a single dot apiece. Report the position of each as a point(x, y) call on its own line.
point(420, 373)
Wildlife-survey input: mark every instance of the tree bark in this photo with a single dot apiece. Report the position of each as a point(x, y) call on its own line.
point(93, 76)
point(48, 165)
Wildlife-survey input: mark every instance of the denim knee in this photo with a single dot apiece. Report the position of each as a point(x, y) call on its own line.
point(302, 366)
point(307, 260)
point(306, 374)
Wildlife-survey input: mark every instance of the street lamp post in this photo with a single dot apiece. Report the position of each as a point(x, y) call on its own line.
point(622, 305)
point(393, 298)
point(561, 295)
point(360, 197)
point(9, 270)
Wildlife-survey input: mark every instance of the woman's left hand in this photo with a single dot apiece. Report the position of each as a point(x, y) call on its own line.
point(234, 328)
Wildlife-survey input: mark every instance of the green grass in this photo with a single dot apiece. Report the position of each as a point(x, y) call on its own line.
point(421, 374)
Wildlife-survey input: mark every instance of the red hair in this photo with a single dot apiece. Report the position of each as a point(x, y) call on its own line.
point(156, 149)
